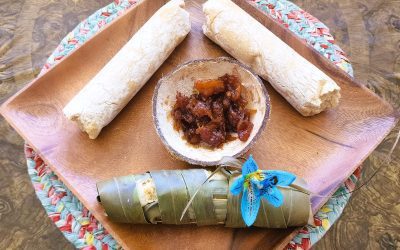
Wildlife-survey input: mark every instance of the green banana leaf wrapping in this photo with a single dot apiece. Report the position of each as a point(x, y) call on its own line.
point(161, 196)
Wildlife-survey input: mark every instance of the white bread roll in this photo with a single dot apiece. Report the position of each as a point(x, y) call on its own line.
point(303, 85)
point(113, 87)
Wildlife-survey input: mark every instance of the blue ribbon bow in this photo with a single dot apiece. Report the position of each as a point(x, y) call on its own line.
point(256, 184)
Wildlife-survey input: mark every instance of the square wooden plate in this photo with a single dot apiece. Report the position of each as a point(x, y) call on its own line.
point(324, 149)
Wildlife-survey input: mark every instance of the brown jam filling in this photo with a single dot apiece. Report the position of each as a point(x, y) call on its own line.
point(214, 112)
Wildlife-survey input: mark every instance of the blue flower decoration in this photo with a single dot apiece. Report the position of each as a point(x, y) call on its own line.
point(256, 183)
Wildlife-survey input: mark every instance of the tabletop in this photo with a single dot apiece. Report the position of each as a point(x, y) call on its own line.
point(369, 31)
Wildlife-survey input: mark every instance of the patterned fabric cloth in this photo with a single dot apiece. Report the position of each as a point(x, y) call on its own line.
point(75, 221)
point(86, 29)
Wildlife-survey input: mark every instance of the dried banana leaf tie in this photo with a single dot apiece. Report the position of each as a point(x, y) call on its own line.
point(255, 184)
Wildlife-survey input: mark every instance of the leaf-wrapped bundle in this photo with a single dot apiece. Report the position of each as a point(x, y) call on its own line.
point(161, 196)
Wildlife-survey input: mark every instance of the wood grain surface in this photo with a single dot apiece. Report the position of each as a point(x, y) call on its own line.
point(386, 214)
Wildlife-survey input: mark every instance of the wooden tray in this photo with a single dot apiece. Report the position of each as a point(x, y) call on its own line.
point(324, 149)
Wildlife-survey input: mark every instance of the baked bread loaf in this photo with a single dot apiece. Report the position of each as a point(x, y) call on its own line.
point(303, 85)
point(113, 87)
